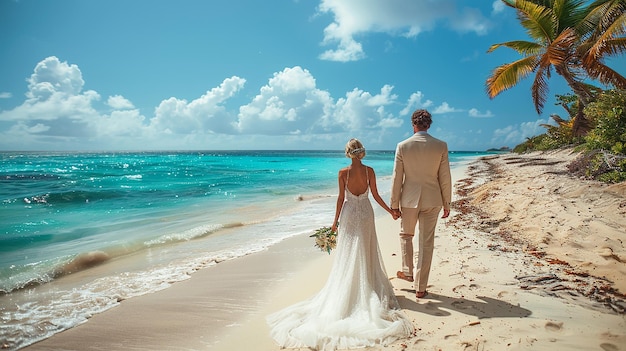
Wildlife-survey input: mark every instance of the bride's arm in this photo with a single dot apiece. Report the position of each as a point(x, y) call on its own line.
point(374, 188)
point(340, 197)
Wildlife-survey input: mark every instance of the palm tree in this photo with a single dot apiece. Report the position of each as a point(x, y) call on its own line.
point(568, 37)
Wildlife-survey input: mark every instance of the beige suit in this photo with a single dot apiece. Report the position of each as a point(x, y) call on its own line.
point(421, 186)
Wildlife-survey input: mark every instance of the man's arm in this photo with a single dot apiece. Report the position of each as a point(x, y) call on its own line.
point(445, 182)
point(397, 179)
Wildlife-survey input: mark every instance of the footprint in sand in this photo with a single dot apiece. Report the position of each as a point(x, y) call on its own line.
point(608, 347)
point(505, 293)
point(554, 326)
point(458, 287)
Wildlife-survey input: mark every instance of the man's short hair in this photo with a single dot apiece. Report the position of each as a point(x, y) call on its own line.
point(422, 119)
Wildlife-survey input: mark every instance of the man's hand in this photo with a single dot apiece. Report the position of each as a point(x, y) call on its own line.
point(446, 213)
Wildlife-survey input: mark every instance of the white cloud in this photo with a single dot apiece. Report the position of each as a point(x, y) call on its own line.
point(6, 95)
point(55, 94)
point(477, 114)
point(290, 102)
point(470, 20)
point(390, 122)
point(290, 106)
point(118, 102)
point(516, 134)
point(498, 6)
point(398, 18)
point(444, 108)
point(202, 115)
point(415, 102)
point(361, 110)
point(348, 49)
point(53, 76)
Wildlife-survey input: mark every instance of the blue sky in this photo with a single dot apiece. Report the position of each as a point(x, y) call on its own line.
point(249, 74)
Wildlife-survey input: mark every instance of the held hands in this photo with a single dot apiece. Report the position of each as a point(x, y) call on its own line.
point(395, 213)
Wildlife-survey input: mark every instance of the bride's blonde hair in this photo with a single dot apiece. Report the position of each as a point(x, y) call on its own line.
point(355, 149)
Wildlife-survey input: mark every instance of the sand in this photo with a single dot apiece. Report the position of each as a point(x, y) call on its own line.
point(530, 259)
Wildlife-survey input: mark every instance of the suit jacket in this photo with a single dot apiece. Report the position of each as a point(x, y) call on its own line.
point(421, 173)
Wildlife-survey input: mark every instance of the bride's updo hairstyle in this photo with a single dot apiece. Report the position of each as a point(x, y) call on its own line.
point(355, 149)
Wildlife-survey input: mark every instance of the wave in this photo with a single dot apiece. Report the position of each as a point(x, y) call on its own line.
point(31, 275)
point(78, 263)
point(190, 234)
point(82, 262)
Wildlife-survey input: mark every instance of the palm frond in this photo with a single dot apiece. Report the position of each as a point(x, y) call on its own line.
point(606, 75)
point(608, 41)
point(537, 19)
point(508, 75)
point(560, 51)
point(539, 89)
point(605, 12)
point(523, 47)
point(568, 13)
point(558, 119)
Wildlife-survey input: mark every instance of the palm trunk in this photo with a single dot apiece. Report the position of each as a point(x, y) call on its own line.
point(581, 126)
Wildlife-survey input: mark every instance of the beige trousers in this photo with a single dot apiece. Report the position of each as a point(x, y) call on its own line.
point(421, 259)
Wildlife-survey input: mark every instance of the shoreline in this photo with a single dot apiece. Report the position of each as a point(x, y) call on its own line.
point(193, 314)
point(477, 299)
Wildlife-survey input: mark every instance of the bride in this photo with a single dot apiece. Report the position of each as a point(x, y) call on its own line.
point(357, 307)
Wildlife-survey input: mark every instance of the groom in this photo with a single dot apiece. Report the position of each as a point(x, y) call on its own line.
point(421, 186)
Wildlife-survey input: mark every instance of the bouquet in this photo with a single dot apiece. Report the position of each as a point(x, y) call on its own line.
point(325, 239)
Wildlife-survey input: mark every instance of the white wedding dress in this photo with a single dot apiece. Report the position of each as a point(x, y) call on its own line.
point(357, 307)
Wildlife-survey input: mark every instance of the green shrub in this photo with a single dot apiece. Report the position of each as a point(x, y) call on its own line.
point(599, 165)
point(529, 145)
point(608, 115)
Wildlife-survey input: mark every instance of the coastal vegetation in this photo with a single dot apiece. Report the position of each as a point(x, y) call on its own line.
point(573, 38)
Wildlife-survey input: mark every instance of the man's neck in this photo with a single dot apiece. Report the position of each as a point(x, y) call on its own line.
point(419, 130)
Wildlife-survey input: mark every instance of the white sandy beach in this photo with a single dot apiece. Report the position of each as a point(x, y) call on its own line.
point(531, 259)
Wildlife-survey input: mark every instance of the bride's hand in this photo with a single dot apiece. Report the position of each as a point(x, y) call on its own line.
point(334, 228)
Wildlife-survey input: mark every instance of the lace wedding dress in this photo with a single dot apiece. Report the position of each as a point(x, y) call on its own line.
point(357, 307)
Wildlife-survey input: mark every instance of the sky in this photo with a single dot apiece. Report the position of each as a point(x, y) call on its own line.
point(112, 75)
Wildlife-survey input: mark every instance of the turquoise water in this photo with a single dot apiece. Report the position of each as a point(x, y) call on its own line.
point(62, 214)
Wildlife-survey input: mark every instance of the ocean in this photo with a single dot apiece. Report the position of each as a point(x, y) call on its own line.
point(80, 232)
